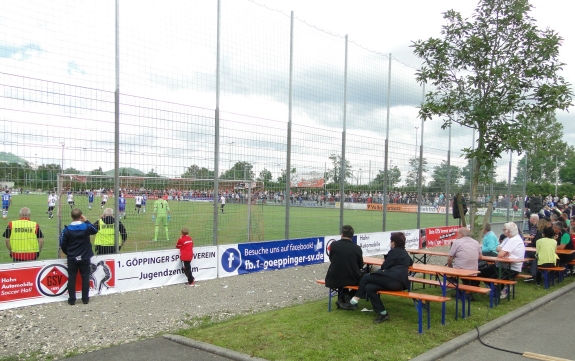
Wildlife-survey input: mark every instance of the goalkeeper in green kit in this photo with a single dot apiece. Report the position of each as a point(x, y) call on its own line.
point(161, 216)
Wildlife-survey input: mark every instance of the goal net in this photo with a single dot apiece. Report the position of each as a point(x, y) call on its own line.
point(190, 202)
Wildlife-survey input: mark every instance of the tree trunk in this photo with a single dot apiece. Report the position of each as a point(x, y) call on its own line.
point(474, 183)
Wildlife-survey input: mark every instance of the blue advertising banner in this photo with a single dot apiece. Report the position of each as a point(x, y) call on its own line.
point(262, 256)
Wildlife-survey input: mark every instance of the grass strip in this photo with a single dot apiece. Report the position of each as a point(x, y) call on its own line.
point(309, 332)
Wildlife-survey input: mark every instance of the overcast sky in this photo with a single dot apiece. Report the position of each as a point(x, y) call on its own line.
point(57, 74)
point(391, 26)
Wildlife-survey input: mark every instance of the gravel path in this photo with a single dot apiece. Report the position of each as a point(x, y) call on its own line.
point(52, 330)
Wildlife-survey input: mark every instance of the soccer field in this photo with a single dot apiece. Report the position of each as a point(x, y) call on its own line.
point(267, 222)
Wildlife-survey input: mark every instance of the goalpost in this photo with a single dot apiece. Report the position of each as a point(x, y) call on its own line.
point(191, 203)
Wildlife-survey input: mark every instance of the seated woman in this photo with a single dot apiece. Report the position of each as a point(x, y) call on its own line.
point(541, 225)
point(490, 242)
point(546, 256)
point(393, 276)
point(563, 240)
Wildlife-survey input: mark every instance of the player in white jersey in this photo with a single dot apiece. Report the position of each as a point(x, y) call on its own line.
point(104, 200)
point(70, 200)
point(138, 200)
point(52, 198)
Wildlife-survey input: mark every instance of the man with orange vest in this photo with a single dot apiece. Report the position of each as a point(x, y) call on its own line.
point(24, 239)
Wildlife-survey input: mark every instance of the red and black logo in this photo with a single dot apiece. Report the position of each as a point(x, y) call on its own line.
point(53, 280)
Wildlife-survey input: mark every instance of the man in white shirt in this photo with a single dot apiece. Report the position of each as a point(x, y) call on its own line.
point(223, 202)
point(71, 200)
point(138, 200)
point(104, 200)
point(52, 198)
point(511, 247)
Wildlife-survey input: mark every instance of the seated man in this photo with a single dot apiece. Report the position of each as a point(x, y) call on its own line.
point(490, 242)
point(464, 252)
point(511, 247)
point(346, 260)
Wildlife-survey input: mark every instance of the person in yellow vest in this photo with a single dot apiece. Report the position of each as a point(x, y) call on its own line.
point(104, 240)
point(24, 238)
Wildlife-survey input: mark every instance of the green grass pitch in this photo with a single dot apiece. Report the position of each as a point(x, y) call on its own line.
point(267, 222)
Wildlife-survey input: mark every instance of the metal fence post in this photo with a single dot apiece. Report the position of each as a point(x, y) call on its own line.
point(385, 167)
point(342, 167)
point(217, 131)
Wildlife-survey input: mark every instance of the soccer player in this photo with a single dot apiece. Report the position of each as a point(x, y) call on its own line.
point(104, 199)
point(52, 198)
point(90, 199)
point(223, 202)
point(162, 210)
point(122, 206)
point(6, 202)
point(138, 200)
point(70, 200)
point(144, 199)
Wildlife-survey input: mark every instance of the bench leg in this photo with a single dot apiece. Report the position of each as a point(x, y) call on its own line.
point(332, 292)
point(492, 293)
point(419, 307)
point(427, 306)
point(545, 275)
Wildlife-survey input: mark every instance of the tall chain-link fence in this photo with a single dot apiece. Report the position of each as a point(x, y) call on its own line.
point(203, 99)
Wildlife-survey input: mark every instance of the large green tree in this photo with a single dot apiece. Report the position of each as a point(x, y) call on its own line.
point(567, 173)
point(394, 177)
point(194, 171)
point(240, 171)
point(496, 73)
point(334, 174)
point(265, 176)
point(546, 150)
point(412, 178)
point(439, 178)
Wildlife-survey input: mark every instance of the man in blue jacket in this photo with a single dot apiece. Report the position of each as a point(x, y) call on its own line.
point(75, 243)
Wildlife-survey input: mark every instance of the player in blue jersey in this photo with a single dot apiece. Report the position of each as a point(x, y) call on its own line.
point(90, 199)
point(6, 202)
point(144, 199)
point(122, 206)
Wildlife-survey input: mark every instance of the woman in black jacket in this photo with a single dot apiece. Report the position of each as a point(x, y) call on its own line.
point(393, 276)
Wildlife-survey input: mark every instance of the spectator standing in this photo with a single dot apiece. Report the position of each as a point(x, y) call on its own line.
point(75, 242)
point(104, 240)
point(346, 261)
point(24, 238)
point(186, 246)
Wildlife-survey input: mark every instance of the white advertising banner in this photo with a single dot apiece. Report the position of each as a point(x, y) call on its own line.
point(136, 271)
point(411, 238)
point(328, 241)
point(30, 283)
point(373, 244)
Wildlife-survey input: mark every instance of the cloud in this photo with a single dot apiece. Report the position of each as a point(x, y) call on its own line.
point(22, 52)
